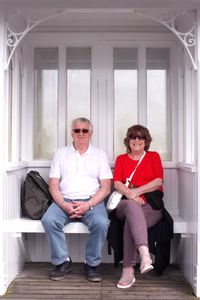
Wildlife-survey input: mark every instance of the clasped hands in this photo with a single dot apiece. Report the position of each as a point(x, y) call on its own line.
point(133, 195)
point(76, 209)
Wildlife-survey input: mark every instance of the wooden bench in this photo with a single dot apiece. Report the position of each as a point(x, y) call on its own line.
point(25, 225)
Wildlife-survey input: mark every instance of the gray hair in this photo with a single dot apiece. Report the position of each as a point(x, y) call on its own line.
point(82, 120)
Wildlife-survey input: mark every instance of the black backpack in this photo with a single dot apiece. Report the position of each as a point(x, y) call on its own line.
point(36, 197)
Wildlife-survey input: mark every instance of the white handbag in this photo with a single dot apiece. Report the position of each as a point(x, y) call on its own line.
point(116, 197)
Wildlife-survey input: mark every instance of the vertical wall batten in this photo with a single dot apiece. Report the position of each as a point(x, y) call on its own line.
point(3, 274)
point(198, 157)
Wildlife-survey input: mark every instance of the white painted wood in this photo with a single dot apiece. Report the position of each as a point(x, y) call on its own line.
point(187, 247)
point(3, 279)
point(27, 104)
point(16, 107)
point(175, 112)
point(14, 254)
point(196, 240)
point(142, 88)
point(171, 190)
point(62, 96)
point(35, 226)
point(24, 225)
point(96, 4)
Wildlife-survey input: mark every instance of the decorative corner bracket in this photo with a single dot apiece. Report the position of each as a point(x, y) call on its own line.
point(14, 38)
point(183, 24)
point(174, 21)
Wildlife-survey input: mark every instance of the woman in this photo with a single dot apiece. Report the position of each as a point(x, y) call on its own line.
point(134, 209)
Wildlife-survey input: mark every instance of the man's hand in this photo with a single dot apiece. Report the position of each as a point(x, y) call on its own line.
point(67, 207)
point(79, 209)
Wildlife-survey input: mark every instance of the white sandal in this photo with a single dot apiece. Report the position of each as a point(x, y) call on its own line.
point(124, 285)
point(146, 265)
point(146, 262)
point(127, 279)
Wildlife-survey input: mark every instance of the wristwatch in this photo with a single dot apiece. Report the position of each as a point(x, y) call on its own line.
point(91, 206)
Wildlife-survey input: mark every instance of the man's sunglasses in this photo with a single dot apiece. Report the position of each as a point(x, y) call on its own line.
point(135, 136)
point(78, 130)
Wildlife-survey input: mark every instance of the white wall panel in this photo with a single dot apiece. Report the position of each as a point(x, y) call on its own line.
point(38, 250)
point(13, 249)
point(171, 190)
point(187, 250)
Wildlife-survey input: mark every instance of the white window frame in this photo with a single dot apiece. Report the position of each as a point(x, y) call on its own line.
point(14, 109)
point(102, 82)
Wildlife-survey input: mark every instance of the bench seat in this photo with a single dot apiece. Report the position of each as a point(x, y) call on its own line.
point(25, 225)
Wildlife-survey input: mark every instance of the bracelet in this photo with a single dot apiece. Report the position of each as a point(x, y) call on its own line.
point(91, 206)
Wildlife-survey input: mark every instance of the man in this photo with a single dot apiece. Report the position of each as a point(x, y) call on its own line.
point(79, 180)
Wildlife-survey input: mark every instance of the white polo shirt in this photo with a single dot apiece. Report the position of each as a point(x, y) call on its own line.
point(79, 174)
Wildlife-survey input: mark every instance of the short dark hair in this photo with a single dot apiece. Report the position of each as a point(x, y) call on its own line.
point(138, 130)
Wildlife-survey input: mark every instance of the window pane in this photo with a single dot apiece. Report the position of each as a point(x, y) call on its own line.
point(78, 85)
point(158, 107)
point(125, 94)
point(46, 98)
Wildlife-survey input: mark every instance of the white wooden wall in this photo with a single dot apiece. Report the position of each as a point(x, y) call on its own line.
point(187, 248)
point(14, 254)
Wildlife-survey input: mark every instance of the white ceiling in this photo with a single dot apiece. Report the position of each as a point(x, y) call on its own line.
point(81, 14)
point(96, 20)
point(62, 4)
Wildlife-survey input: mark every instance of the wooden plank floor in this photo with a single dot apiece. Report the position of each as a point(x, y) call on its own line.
point(33, 283)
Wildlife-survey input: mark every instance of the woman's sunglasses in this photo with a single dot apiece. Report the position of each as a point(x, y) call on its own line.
point(136, 136)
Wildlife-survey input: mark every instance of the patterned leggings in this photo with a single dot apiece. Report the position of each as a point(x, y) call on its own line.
point(137, 220)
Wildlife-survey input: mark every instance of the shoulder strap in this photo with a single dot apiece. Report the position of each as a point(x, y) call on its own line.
point(128, 180)
point(40, 181)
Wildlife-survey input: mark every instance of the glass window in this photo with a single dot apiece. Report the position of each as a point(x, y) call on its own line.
point(132, 97)
point(46, 99)
point(125, 94)
point(158, 119)
point(78, 85)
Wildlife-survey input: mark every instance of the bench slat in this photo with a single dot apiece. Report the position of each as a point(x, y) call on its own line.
point(35, 226)
point(24, 225)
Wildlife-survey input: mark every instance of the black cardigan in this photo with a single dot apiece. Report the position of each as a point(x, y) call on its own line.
point(159, 235)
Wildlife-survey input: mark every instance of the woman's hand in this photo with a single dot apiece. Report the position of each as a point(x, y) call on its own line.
point(139, 200)
point(131, 194)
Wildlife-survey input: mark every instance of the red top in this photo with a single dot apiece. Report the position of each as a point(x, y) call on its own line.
point(149, 168)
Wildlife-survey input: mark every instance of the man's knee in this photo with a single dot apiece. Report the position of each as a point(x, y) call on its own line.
point(46, 221)
point(99, 225)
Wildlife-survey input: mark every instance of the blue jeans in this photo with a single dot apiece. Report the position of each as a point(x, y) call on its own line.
point(97, 222)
